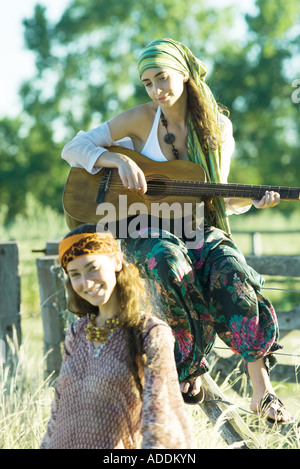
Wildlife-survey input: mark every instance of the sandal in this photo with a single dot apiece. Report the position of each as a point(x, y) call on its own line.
point(271, 401)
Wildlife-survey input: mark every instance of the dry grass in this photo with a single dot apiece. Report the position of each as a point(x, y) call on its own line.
point(26, 396)
point(24, 400)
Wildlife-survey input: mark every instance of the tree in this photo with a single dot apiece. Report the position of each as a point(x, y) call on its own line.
point(30, 164)
point(91, 53)
point(86, 72)
point(258, 82)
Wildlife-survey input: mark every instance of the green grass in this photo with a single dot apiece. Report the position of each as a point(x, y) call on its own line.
point(26, 396)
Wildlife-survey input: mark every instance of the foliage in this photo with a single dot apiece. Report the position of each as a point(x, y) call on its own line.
point(256, 82)
point(86, 73)
point(30, 165)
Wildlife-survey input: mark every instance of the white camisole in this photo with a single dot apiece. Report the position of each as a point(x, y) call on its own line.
point(152, 148)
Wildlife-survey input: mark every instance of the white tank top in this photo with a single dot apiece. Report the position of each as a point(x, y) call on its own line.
point(152, 148)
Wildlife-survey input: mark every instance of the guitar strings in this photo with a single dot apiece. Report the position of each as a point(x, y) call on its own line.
point(187, 185)
point(182, 187)
point(204, 192)
point(163, 183)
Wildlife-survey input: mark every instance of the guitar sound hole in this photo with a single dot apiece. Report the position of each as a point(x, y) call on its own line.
point(156, 187)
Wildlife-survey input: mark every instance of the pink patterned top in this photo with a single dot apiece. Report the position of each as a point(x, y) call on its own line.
point(97, 405)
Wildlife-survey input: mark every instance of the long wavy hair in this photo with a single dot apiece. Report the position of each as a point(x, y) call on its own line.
point(132, 300)
point(204, 118)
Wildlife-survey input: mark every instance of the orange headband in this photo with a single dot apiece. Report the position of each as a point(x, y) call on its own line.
point(86, 243)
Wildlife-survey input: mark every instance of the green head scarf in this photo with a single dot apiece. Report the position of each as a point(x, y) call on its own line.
point(176, 56)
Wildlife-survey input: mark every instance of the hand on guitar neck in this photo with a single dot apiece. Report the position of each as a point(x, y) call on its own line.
point(270, 199)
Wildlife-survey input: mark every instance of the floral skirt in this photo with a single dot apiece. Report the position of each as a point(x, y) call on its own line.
point(203, 292)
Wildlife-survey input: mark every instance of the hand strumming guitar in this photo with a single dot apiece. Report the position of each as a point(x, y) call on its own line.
point(130, 173)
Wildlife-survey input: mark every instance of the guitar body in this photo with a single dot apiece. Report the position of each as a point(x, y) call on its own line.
point(82, 189)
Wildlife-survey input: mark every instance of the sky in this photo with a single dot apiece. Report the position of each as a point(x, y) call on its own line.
point(17, 63)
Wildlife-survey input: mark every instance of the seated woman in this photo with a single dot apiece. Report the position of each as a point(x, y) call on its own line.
point(118, 386)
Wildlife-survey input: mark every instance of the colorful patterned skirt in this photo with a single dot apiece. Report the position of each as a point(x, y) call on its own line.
point(203, 292)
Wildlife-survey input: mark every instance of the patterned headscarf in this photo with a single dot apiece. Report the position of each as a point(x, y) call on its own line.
point(78, 245)
point(176, 56)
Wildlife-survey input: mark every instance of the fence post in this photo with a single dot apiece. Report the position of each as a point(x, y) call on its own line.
point(10, 296)
point(256, 242)
point(52, 247)
point(52, 297)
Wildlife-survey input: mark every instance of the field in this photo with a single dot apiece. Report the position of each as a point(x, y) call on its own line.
point(26, 396)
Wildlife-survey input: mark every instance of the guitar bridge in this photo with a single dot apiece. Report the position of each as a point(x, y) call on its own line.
point(103, 185)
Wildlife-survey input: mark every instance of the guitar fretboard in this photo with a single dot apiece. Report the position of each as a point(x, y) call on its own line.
point(228, 190)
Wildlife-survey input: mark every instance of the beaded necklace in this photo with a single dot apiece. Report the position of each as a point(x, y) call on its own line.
point(169, 138)
point(100, 334)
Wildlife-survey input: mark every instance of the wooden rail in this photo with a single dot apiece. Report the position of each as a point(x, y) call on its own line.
point(256, 238)
point(283, 266)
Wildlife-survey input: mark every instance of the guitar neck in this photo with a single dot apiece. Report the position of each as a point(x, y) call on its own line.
point(208, 189)
point(162, 178)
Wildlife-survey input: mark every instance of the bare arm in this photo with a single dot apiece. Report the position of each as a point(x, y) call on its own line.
point(135, 124)
point(88, 149)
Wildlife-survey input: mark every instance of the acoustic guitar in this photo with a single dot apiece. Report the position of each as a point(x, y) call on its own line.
point(88, 198)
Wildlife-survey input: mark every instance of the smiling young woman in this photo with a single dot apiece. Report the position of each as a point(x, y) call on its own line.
point(118, 386)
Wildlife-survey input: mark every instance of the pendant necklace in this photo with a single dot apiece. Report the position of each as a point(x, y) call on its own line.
point(169, 138)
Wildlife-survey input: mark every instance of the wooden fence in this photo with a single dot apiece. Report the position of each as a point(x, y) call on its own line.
point(10, 297)
point(256, 238)
point(54, 317)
